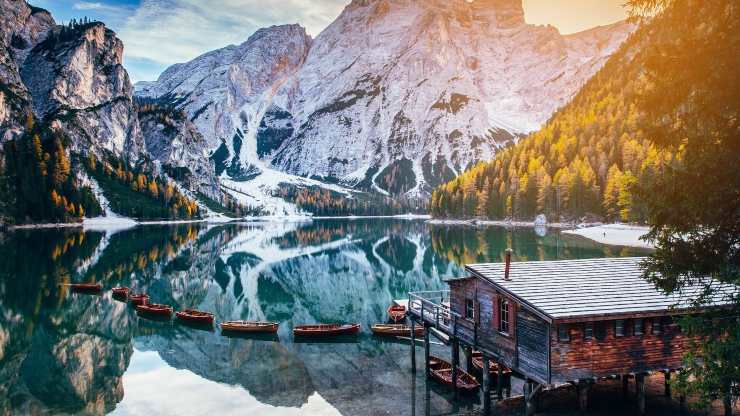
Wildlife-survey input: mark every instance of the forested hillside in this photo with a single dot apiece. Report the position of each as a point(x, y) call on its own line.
point(583, 161)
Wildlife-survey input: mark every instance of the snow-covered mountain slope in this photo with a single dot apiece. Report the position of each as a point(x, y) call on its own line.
point(395, 95)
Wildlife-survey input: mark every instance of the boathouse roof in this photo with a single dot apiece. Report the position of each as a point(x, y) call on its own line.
point(589, 288)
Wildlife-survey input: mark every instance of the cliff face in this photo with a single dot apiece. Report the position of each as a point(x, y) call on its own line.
point(21, 28)
point(176, 143)
point(78, 84)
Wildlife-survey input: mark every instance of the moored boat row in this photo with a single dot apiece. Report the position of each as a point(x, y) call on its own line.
point(192, 316)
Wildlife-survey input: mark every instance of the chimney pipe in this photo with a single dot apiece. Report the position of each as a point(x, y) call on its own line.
point(508, 264)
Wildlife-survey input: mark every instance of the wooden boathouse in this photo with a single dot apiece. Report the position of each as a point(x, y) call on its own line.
point(555, 322)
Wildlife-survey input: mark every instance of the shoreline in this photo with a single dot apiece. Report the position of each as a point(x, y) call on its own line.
point(625, 235)
point(103, 222)
point(503, 223)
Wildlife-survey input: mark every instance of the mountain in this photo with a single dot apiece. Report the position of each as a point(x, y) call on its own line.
point(582, 162)
point(68, 120)
point(394, 97)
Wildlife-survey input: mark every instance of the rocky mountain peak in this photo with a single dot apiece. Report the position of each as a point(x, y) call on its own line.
point(486, 13)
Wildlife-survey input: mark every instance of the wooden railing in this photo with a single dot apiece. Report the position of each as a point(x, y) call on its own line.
point(433, 307)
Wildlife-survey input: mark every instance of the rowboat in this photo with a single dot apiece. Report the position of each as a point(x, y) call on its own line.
point(155, 309)
point(120, 292)
point(441, 371)
point(493, 368)
point(250, 327)
point(396, 330)
point(325, 330)
point(397, 313)
point(196, 317)
point(139, 299)
point(84, 287)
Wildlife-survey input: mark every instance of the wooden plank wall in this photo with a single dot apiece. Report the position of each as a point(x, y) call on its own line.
point(582, 359)
point(532, 347)
point(487, 335)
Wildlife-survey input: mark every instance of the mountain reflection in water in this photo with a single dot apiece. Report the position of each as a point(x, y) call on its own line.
point(62, 352)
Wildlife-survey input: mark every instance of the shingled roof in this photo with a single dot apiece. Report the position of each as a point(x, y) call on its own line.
point(587, 288)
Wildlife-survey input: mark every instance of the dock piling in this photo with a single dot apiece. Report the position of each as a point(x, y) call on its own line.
point(426, 350)
point(640, 389)
point(486, 387)
point(625, 385)
point(413, 346)
point(455, 364)
point(500, 383)
point(667, 383)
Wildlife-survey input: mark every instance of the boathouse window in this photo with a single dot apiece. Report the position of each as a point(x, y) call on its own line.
point(657, 326)
point(563, 333)
point(638, 327)
point(600, 331)
point(619, 327)
point(503, 315)
point(469, 309)
point(588, 330)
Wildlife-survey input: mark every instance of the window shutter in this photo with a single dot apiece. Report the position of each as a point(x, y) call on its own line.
point(494, 317)
point(512, 317)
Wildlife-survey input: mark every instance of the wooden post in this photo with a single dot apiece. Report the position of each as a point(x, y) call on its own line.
point(727, 400)
point(500, 383)
point(531, 390)
point(640, 389)
point(468, 351)
point(625, 385)
point(455, 364)
point(413, 346)
point(667, 383)
point(486, 388)
point(583, 388)
point(426, 349)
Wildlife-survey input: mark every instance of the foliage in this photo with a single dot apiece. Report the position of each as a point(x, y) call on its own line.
point(583, 161)
point(690, 106)
point(324, 202)
point(36, 182)
point(140, 194)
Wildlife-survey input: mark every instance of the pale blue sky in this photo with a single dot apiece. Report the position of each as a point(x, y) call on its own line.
point(159, 33)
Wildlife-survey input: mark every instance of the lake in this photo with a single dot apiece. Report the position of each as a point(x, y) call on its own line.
point(69, 353)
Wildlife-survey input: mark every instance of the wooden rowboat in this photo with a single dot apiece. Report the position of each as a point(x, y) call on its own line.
point(325, 330)
point(139, 299)
point(397, 313)
point(255, 327)
point(196, 317)
point(84, 287)
point(441, 371)
point(396, 330)
point(493, 367)
point(120, 292)
point(155, 309)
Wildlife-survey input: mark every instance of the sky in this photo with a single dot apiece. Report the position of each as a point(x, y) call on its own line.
point(159, 33)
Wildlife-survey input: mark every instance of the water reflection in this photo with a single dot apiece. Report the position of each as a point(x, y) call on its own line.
point(74, 353)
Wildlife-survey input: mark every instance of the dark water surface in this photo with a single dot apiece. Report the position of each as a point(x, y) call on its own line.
point(68, 353)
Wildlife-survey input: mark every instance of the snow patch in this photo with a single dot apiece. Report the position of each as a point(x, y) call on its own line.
point(615, 234)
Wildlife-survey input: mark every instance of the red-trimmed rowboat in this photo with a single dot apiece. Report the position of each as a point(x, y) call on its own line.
point(84, 287)
point(195, 317)
point(120, 292)
point(155, 309)
point(397, 313)
point(493, 369)
point(396, 330)
point(254, 327)
point(441, 371)
point(325, 330)
point(139, 299)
